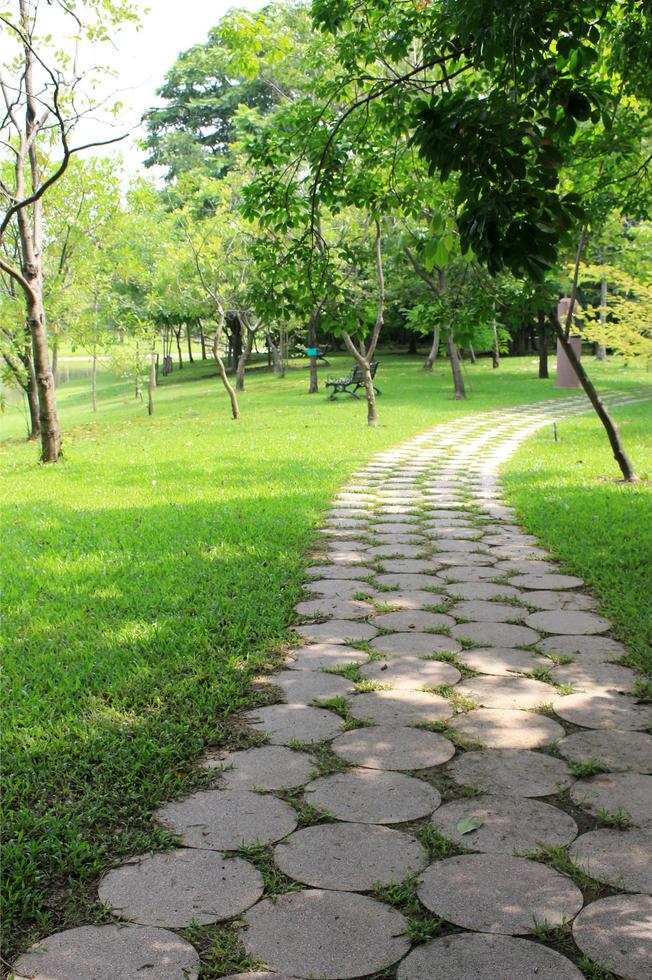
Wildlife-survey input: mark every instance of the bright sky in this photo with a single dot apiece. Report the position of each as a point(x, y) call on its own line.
point(143, 57)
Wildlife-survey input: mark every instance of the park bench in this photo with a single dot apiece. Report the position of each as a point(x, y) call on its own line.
point(352, 382)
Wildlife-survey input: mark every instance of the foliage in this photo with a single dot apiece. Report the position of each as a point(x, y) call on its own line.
point(625, 324)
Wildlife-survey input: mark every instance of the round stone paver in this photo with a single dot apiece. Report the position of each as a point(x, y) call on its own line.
point(569, 622)
point(400, 707)
point(617, 933)
point(349, 857)
point(179, 886)
point(546, 599)
point(466, 573)
point(416, 599)
point(107, 952)
point(498, 893)
point(370, 796)
point(410, 566)
point(495, 634)
point(337, 631)
point(267, 767)
point(627, 793)
point(482, 611)
point(336, 607)
point(619, 858)
point(395, 550)
point(508, 825)
point(415, 644)
point(224, 820)
point(482, 590)
point(411, 673)
point(338, 588)
point(597, 649)
point(524, 566)
point(304, 686)
point(617, 751)
point(339, 571)
point(507, 692)
point(321, 655)
point(325, 934)
point(595, 677)
point(406, 582)
point(382, 747)
point(258, 975)
point(287, 723)
point(485, 957)
point(514, 772)
point(406, 620)
point(604, 710)
point(501, 660)
point(547, 582)
point(508, 728)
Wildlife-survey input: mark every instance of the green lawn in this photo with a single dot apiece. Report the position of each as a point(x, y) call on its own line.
point(151, 572)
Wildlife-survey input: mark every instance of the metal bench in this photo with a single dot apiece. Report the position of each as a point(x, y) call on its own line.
point(350, 384)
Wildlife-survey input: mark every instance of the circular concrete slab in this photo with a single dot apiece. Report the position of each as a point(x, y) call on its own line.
point(405, 583)
point(523, 566)
point(458, 545)
point(338, 608)
point(619, 858)
point(287, 723)
point(547, 599)
point(349, 857)
point(322, 655)
point(507, 692)
point(414, 644)
point(597, 649)
point(107, 952)
point(400, 707)
point(616, 792)
point(464, 559)
point(325, 934)
point(391, 527)
point(382, 747)
point(501, 661)
point(417, 620)
point(481, 611)
point(224, 820)
point(304, 686)
point(514, 772)
point(595, 677)
point(465, 573)
point(411, 673)
point(339, 571)
point(495, 634)
point(268, 767)
point(259, 975)
point(508, 729)
point(371, 796)
point(508, 825)
point(498, 893)
point(337, 631)
point(179, 886)
point(482, 590)
point(410, 566)
point(617, 933)
point(417, 599)
point(485, 957)
point(549, 581)
point(618, 751)
point(569, 622)
point(607, 709)
point(338, 588)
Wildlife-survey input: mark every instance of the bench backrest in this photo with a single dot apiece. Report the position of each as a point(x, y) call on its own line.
point(358, 374)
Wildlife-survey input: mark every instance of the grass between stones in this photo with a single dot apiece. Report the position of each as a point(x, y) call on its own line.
point(153, 574)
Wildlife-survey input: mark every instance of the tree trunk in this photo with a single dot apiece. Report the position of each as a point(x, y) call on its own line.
point(152, 385)
point(50, 429)
point(542, 344)
point(32, 401)
point(189, 340)
point(177, 334)
point(279, 370)
point(94, 382)
point(611, 429)
point(456, 368)
point(202, 341)
point(601, 350)
point(365, 364)
point(434, 350)
point(233, 398)
point(55, 360)
point(244, 357)
point(313, 387)
point(472, 354)
point(495, 351)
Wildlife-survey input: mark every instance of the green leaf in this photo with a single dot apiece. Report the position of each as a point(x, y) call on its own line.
point(468, 824)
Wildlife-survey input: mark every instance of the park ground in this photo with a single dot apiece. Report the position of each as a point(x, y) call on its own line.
point(152, 572)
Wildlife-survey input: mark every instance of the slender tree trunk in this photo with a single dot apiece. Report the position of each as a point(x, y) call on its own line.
point(456, 368)
point(543, 344)
point(495, 351)
point(202, 341)
point(55, 360)
point(276, 356)
point(434, 350)
point(50, 429)
point(177, 334)
point(313, 387)
point(244, 357)
point(472, 354)
point(32, 401)
point(189, 339)
point(601, 350)
point(233, 398)
point(611, 429)
point(152, 384)
point(94, 382)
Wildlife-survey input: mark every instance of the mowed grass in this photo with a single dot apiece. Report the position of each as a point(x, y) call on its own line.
point(598, 527)
point(148, 576)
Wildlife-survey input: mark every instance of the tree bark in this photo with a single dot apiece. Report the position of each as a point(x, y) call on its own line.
point(55, 359)
point(621, 457)
point(233, 398)
point(434, 350)
point(202, 341)
point(601, 350)
point(276, 356)
point(177, 334)
point(472, 354)
point(152, 385)
point(32, 401)
point(189, 340)
point(456, 368)
point(542, 344)
point(313, 386)
point(495, 351)
point(245, 355)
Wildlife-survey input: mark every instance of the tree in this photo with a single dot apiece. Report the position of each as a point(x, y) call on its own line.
point(43, 92)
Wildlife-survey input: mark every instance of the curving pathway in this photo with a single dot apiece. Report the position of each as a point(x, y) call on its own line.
point(455, 719)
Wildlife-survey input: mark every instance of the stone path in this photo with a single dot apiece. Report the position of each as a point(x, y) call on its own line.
point(454, 708)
